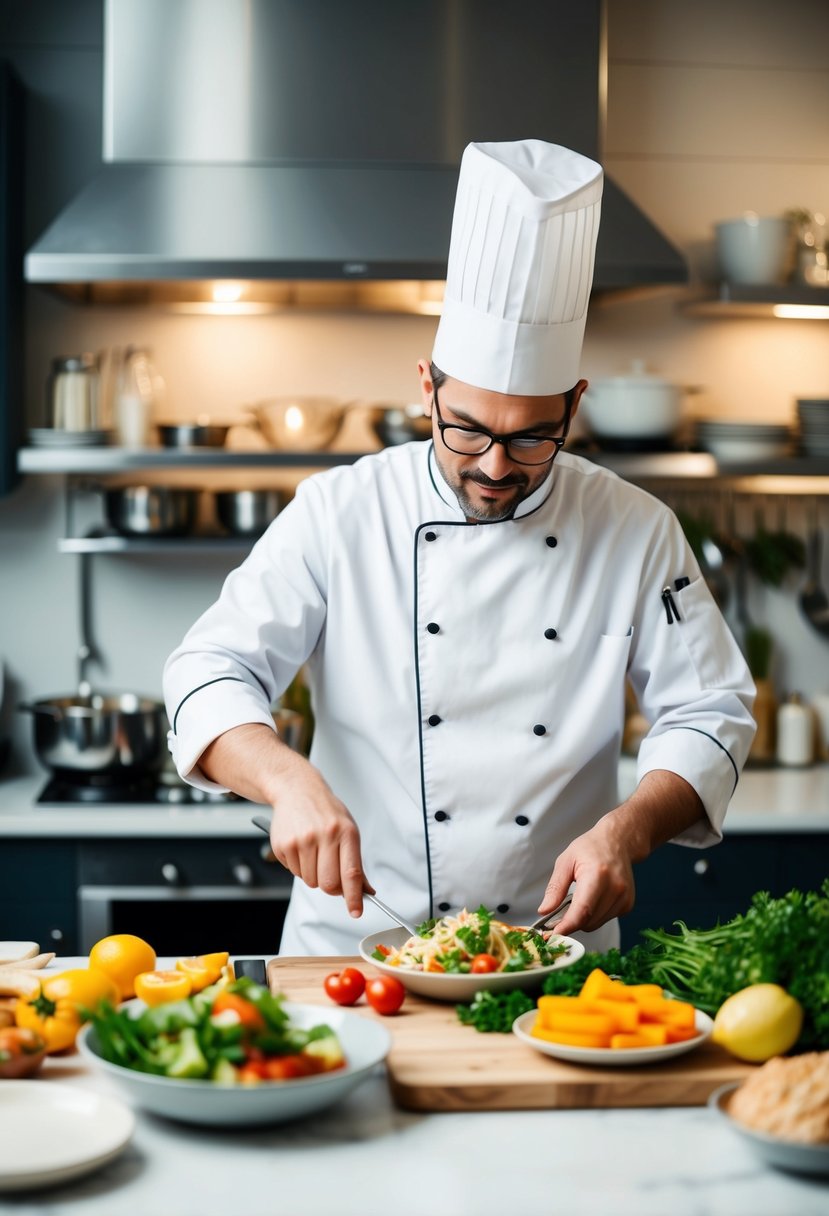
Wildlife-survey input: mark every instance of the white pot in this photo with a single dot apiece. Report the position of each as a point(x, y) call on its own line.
point(755, 250)
point(637, 406)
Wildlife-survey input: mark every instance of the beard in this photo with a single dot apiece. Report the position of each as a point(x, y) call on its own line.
point(498, 507)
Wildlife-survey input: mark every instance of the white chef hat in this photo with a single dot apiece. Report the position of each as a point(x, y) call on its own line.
point(520, 267)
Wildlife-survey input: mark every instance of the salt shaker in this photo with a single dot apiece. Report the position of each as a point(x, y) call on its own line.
point(795, 733)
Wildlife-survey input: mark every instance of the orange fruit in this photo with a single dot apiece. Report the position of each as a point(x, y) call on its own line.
point(156, 987)
point(202, 969)
point(122, 957)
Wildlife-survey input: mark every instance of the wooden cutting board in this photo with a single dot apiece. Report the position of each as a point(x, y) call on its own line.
point(438, 1064)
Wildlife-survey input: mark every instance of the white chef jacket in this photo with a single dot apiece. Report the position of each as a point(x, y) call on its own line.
point(468, 679)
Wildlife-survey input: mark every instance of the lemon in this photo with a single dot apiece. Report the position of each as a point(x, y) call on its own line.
point(758, 1022)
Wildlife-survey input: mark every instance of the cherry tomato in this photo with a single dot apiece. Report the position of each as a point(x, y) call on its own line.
point(385, 994)
point(286, 1068)
point(482, 963)
point(345, 987)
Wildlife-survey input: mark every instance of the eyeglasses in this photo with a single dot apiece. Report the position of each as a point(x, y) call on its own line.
point(520, 447)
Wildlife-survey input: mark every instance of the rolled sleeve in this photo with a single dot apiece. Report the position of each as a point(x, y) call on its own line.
point(207, 712)
point(704, 763)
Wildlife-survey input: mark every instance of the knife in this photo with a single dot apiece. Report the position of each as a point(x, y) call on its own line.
point(261, 822)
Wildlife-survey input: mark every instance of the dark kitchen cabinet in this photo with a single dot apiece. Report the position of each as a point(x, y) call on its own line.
point(704, 886)
point(38, 893)
point(185, 896)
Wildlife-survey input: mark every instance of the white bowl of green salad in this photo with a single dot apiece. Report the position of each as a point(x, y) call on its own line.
point(194, 1061)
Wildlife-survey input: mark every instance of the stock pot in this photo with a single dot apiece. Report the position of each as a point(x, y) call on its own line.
point(121, 734)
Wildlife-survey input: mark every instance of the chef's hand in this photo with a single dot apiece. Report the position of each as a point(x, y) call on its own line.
point(312, 833)
point(314, 836)
point(602, 867)
point(601, 861)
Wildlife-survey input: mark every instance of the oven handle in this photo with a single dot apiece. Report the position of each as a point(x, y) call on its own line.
point(94, 902)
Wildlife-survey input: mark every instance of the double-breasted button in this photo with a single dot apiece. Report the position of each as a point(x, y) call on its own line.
point(552, 541)
point(432, 627)
point(444, 907)
point(430, 535)
point(441, 816)
point(434, 720)
point(502, 908)
point(550, 634)
point(537, 730)
point(521, 820)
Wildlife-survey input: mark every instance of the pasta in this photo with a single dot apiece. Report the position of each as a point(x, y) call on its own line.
point(472, 941)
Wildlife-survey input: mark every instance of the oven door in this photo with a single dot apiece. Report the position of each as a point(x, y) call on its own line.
point(184, 897)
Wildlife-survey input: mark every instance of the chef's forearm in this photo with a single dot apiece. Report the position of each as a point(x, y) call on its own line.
point(663, 806)
point(250, 760)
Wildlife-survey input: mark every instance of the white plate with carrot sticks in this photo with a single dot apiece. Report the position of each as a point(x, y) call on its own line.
point(610, 1056)
point(612, 1023)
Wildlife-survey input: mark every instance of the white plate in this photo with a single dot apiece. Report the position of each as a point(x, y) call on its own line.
point(459, 987)
point(610, 1056)
point(51, 1132)
point(47, 437)
point(364, 1042)
point(785, 1154)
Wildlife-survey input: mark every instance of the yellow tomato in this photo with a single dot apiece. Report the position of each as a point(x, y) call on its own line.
point(203, 969)
point(56, 1011)
point(758, 1022)
point(122, 957)
point(156, 987)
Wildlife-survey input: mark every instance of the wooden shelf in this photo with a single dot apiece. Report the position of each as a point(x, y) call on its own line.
point(790, 301)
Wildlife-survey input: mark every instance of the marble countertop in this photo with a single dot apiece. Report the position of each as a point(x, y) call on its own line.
point(766, 800)
point(366, 1157)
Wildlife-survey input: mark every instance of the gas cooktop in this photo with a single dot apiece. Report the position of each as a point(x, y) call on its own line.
point(98, 790)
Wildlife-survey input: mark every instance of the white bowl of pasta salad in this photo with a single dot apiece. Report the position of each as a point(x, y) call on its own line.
point(453, 957)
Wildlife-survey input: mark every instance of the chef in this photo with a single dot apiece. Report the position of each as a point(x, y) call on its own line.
point(469, 610)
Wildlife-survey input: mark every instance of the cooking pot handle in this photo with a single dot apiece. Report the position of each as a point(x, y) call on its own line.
point(28, 707)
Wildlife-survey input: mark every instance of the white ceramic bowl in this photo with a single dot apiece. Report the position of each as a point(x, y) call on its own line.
point(365, 1043)
point(754, 249)
point(459, 987)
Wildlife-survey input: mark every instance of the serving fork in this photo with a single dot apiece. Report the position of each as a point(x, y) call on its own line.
point(543, 922)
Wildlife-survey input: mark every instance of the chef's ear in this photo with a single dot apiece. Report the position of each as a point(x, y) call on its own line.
point(578, 391)
point(424, 370)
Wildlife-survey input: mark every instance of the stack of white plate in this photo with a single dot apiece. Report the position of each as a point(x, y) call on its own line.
point(737, 442)
point(813, 415)
point(52, 437)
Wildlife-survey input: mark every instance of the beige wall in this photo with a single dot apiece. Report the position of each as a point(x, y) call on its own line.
point(715, 106)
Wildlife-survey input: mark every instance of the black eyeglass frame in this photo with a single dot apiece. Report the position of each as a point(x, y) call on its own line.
point(505, 440)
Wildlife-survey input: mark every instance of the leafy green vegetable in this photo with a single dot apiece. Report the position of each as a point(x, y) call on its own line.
point(494, 1012)
point(633, 967)
point(476, 940)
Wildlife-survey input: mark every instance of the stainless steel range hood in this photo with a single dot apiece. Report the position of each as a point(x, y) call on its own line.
point(268, 152)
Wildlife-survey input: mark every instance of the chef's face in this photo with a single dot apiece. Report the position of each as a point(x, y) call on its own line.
point(489, 486)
